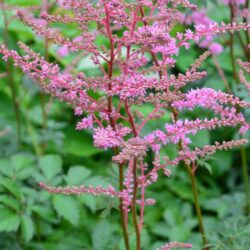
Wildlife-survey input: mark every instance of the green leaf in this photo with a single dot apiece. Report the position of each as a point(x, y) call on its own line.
point(88, 201)
point(24, 2)
point(218, 205)
point(190, 223)
point(171, 217)
point(78, 144)
point(50, 165)
point(179, 233)
point(67, 207)
point(170, 150)
point(97, 181)
point(9, 221)
point(25, 173)
point(182, 190)
point(101, 235)
point(160, 229)
point(202, 163)
point(44, 212)
point(217, 12)
point(23, 32)
point(200, 139)
point(221, 163)
point(186, 58)
point(6, 167)
point(11, 186)
point(10, 202)
point(77, 174)
point(225, 64)
point(27, 227)
point(35, 115)
point(20, 161)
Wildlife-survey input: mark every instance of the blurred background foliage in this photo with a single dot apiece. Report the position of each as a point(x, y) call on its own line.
point(38, 142)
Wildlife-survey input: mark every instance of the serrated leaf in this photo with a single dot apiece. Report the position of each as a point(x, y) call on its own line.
point(160, 229)
point(171, 217)
point(20, 161)
point(44, 212)
point(9, 221)
point(9, 201)
point(11, 186)
point(77, 174)
point(67, 207)
point(27, 227)
point(50, 165)
point(216, 204)
point(25, 173)
point(101, 235)
point(88, 201)
point(179, 233)
point(6, 167)
point(183, 190)
point(206, 165)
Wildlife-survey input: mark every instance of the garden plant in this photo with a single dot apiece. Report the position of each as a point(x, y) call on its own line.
point(158, 139)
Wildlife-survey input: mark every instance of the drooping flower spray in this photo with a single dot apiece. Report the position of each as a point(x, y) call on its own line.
point(135, 69)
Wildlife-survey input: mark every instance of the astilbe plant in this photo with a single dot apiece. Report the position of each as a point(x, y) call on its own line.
point(245, 66)
point(134, 70)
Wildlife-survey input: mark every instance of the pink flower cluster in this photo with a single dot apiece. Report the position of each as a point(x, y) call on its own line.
point(245, 66)
point(134, 71)
point(200, 17)
point(210, 99)
point(108, 138)
point(171, 245)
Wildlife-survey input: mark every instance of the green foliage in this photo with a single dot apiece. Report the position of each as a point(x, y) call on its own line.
point(50, 165)
point(77, 174)
point(9, 220)
point(27, 227)
point(67, 207)
point(24, 2)
point(101, 235)
point(78, 144)
point(32, 219)
point(232, 233)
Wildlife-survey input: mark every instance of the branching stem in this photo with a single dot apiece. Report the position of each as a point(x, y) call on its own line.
point(113, 125)
point(133, 208)
point(197, 205)
point(188, 168)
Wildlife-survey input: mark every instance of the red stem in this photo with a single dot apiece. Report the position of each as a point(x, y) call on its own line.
point(112, 122)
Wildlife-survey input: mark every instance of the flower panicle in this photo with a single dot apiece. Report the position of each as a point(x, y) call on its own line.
point(171, 245)
point(78, 190)
point(211, 149)
point(189, 156)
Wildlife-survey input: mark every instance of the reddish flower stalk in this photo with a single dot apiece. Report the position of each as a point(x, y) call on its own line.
point(170, 246)
point(133, 54)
